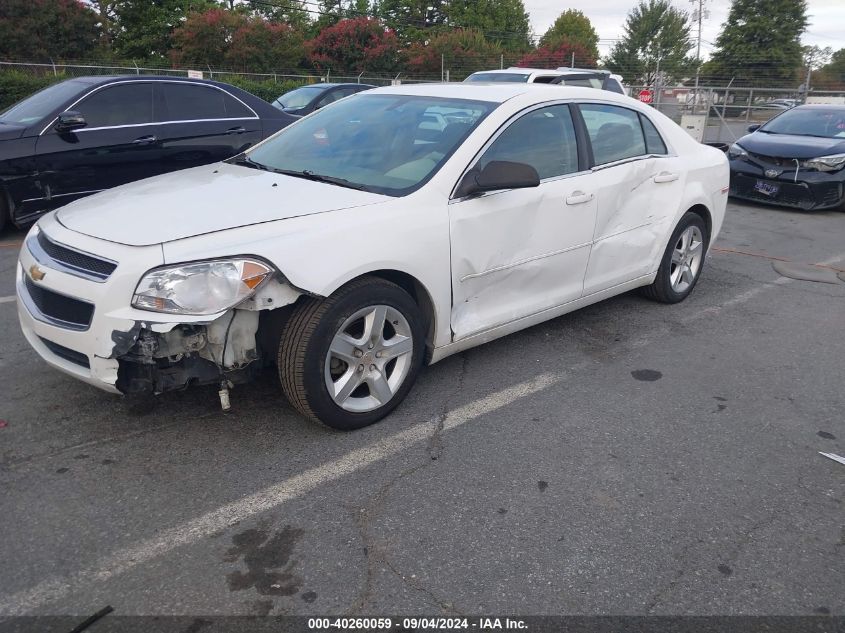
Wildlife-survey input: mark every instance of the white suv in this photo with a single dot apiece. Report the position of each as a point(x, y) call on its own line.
point(584, 77)
point(517, 75)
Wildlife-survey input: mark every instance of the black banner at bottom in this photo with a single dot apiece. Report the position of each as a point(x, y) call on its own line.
point(534, 624)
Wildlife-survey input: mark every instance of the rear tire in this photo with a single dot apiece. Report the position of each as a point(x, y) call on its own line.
point(682, 261)
point(350, 359)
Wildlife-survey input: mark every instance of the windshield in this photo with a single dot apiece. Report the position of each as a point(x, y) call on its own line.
point(509, 77)
point(824, 122)
point(34, 108)
point(299, 98)
point(389, 144)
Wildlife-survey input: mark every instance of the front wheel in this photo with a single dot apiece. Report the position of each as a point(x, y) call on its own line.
point(4, 210)
point(350, 359)
point(682, 261)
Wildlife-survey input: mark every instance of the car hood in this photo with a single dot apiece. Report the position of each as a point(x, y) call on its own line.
point(10, 131)
point(791, 145)
point(203, 200)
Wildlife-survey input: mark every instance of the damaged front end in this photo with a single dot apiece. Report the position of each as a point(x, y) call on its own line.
point(231, 349)
point(192, 354)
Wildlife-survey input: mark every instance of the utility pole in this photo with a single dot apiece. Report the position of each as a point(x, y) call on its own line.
point(698, 15)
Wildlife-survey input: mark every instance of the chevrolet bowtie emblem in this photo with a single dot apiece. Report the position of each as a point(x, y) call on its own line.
point(36, 273)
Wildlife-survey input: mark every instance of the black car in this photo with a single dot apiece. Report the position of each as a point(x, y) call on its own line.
point(84, 135)
point(796, 159)
point(305, 100)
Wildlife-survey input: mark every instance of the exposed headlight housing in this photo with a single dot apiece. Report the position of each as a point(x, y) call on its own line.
point(736, 151)
point(833, 162)
point(200, 288)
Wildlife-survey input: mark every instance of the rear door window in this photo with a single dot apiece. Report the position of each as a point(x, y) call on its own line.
point(653, 141)
point(615, 132)
point(192, 102)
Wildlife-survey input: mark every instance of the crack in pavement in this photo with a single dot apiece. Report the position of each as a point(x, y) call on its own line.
point(736, 546)
point(364, 517)
point(376, 553)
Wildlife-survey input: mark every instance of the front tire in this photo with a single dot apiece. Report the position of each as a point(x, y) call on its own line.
point(682, 261)
point(350, 359)
point(4, 210)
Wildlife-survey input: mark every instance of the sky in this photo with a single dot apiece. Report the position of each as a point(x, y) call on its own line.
point(827, 20)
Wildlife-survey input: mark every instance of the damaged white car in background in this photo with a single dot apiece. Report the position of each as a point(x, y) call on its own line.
point(391, 229)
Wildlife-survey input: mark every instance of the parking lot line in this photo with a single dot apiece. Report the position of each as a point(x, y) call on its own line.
point(125, 559)
point(7, 299)
point(10, 244)
point(55, 588)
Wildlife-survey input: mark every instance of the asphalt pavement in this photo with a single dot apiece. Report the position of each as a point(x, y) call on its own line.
point(629, 458)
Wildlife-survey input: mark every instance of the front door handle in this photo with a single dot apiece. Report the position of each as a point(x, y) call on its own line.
point(665, 176)
point(579, 197)
point(236, 130)
point(145, 140)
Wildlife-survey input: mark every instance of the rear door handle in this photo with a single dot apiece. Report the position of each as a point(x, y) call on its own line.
point(665, 176)
point(145, 140)
point(236, 130)
point(579, 197)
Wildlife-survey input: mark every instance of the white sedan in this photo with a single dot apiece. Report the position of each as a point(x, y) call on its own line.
point(362, 242)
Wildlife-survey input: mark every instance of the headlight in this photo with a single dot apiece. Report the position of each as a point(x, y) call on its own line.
point(200, 288)
point(736, 151)
point(826, 163)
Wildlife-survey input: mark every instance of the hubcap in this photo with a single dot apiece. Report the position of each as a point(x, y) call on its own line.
point(369, 358)
point(686, 259)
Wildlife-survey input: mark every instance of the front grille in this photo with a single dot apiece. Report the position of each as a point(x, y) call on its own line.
point(775, 161)
point(790, 194)
point(69, 312)
point(94, 266)
point(77, 358)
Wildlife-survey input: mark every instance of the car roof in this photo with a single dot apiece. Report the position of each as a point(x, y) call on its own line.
point(816, 106)
point(498, 92)
point(518, 70)
point(95, 80)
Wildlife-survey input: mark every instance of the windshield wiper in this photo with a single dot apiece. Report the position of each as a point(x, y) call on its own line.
point(245, 161)
point(332, 180)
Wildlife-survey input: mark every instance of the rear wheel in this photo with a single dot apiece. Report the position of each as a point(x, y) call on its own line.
point(349, 360)
point(682, 261)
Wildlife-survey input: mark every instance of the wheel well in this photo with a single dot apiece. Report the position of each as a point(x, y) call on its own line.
point(702, 211)
point(419, 294)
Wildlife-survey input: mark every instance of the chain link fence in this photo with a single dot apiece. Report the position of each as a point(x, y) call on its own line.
point(714, 114)
point(722, 114)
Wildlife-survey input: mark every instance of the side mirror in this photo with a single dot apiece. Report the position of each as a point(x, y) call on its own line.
point(498, 174)
point(70, 120)
point(754, 128)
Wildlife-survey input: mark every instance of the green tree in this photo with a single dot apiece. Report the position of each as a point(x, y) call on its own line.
point(561, 54)
point(572, 27)
point(204, 38)
point(107, 22)
point(262, 46)
point(831, 76)
point(655, 33)
point(234, 39)
point(502, 21)
point(292, 12)
point(760, 44)
point(145, 27)
point(413, 20)
point(38, 30)
point(461, 51)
